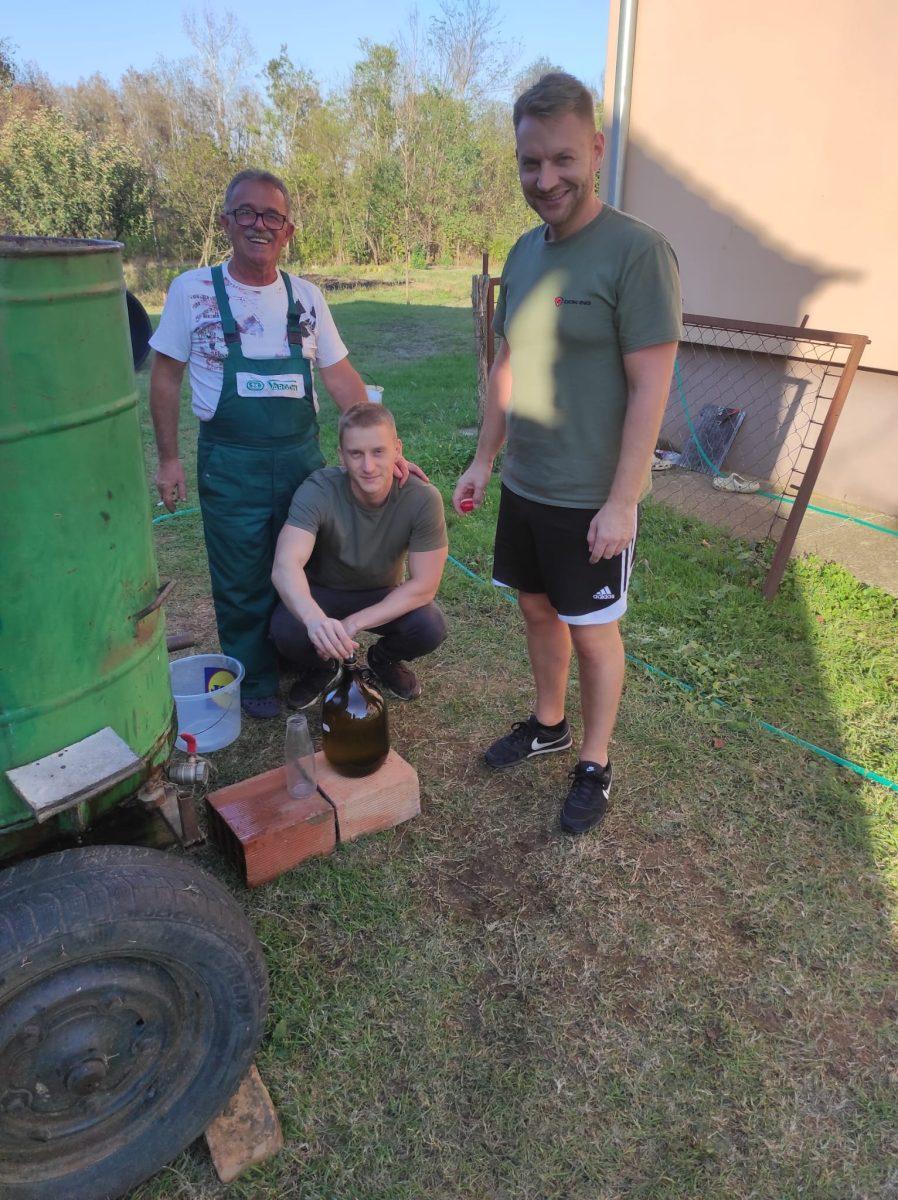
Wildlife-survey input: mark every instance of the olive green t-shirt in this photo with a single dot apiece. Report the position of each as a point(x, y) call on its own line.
point(356, 547)
point(570, 311)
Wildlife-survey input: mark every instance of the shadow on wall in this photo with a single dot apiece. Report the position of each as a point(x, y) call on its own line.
point(733, 266)
point(730, 266)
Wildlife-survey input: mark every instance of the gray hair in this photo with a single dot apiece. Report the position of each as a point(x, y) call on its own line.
point(254, 176)
point(553, 95)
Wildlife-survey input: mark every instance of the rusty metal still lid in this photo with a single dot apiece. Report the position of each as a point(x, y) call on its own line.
point(14, 246)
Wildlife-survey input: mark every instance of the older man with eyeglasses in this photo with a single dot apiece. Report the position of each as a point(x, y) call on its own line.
point(250, 334)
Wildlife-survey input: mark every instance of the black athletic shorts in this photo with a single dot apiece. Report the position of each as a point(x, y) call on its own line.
point(542, 548)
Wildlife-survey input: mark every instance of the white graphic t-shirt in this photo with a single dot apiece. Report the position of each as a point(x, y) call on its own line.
point(190, 328)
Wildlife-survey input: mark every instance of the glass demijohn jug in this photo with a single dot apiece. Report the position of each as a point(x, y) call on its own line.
point(355, 733)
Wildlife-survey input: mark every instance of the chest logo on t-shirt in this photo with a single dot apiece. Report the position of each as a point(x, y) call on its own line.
point(559, 300)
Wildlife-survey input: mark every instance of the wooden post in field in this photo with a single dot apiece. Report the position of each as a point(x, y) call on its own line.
point(480, 294)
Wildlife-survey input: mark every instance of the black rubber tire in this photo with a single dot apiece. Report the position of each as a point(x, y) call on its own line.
point(132, 998)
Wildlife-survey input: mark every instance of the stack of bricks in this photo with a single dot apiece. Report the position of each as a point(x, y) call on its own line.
point(263, 831)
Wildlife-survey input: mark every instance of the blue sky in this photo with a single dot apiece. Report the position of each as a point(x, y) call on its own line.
point(74, 39)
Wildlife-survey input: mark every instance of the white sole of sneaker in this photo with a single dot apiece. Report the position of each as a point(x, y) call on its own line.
point(533, 754)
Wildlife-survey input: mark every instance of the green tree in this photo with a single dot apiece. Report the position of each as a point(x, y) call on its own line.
point(192, 179)
point(413, 159)
point(55, 182)
point(7, 63)
point(376, 186)
point(293, 96)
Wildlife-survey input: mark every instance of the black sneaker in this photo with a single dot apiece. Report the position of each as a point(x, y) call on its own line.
point(587, 801)
point(526, 740)
point(395, 676)
point(308, 687)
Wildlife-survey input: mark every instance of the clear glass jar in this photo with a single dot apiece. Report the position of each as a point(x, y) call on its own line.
point(299, 757)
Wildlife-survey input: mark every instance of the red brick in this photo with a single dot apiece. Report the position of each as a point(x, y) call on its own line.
point(264, 831)
point(369, 803)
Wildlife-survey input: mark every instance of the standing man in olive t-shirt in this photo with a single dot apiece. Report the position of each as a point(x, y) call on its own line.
point(589, 310)
point(340, 562)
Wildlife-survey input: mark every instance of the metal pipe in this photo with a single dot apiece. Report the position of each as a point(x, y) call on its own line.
point(623, 89)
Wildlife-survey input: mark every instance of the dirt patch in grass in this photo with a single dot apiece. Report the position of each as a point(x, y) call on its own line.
point(486, 889)
point(411, 337)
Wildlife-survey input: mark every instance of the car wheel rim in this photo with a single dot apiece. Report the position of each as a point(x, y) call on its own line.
point(91, 1054)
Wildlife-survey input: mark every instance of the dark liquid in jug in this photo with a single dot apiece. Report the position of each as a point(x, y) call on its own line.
point(355, 733)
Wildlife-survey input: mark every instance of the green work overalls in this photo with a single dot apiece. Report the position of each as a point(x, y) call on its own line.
point(252, 455)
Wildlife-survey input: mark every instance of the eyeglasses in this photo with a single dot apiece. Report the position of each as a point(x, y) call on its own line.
point(246, 217)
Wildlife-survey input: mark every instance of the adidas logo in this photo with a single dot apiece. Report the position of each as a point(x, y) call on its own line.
point(604, 593)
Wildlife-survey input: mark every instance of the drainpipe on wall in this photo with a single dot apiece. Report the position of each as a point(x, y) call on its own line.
point(620, 112)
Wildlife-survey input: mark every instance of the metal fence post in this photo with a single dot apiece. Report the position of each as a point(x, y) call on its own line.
point(481, 296)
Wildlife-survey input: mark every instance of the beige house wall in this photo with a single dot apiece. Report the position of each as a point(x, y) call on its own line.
point(762, 143)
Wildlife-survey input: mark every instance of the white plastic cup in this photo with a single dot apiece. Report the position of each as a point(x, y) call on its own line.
point(299, 757)
point(375, 393)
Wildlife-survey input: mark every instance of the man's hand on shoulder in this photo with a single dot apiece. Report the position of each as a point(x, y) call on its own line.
point(404, 468)
point(611, 530)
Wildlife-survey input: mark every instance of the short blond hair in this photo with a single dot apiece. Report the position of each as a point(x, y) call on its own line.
point(365, 416)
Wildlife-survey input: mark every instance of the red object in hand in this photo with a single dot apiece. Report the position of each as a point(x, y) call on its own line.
point(466, 505)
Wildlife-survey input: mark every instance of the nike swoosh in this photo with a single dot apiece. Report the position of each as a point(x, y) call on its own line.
point(536, 744)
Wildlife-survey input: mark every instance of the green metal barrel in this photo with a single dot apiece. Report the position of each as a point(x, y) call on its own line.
point(77, 567)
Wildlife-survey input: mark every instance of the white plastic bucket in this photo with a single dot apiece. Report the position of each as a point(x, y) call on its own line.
point(207, 702)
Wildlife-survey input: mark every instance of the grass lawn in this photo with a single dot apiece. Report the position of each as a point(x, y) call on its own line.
point(701, 1000)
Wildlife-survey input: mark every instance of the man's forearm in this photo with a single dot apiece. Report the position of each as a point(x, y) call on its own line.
point(345, 385)
point(401, 600)
point(648, 385)
point(292, 586)
point(165, 408)
point(645, 410)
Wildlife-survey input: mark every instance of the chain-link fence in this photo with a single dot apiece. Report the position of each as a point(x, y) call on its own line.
point(750, 415)
point(751, 411)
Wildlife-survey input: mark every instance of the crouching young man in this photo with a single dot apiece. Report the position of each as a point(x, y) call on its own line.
point(340, 559)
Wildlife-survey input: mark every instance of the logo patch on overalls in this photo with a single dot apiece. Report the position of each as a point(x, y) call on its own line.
point(291, 386)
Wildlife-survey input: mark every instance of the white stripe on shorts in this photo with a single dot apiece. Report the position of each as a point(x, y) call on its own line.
point(612, 612)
